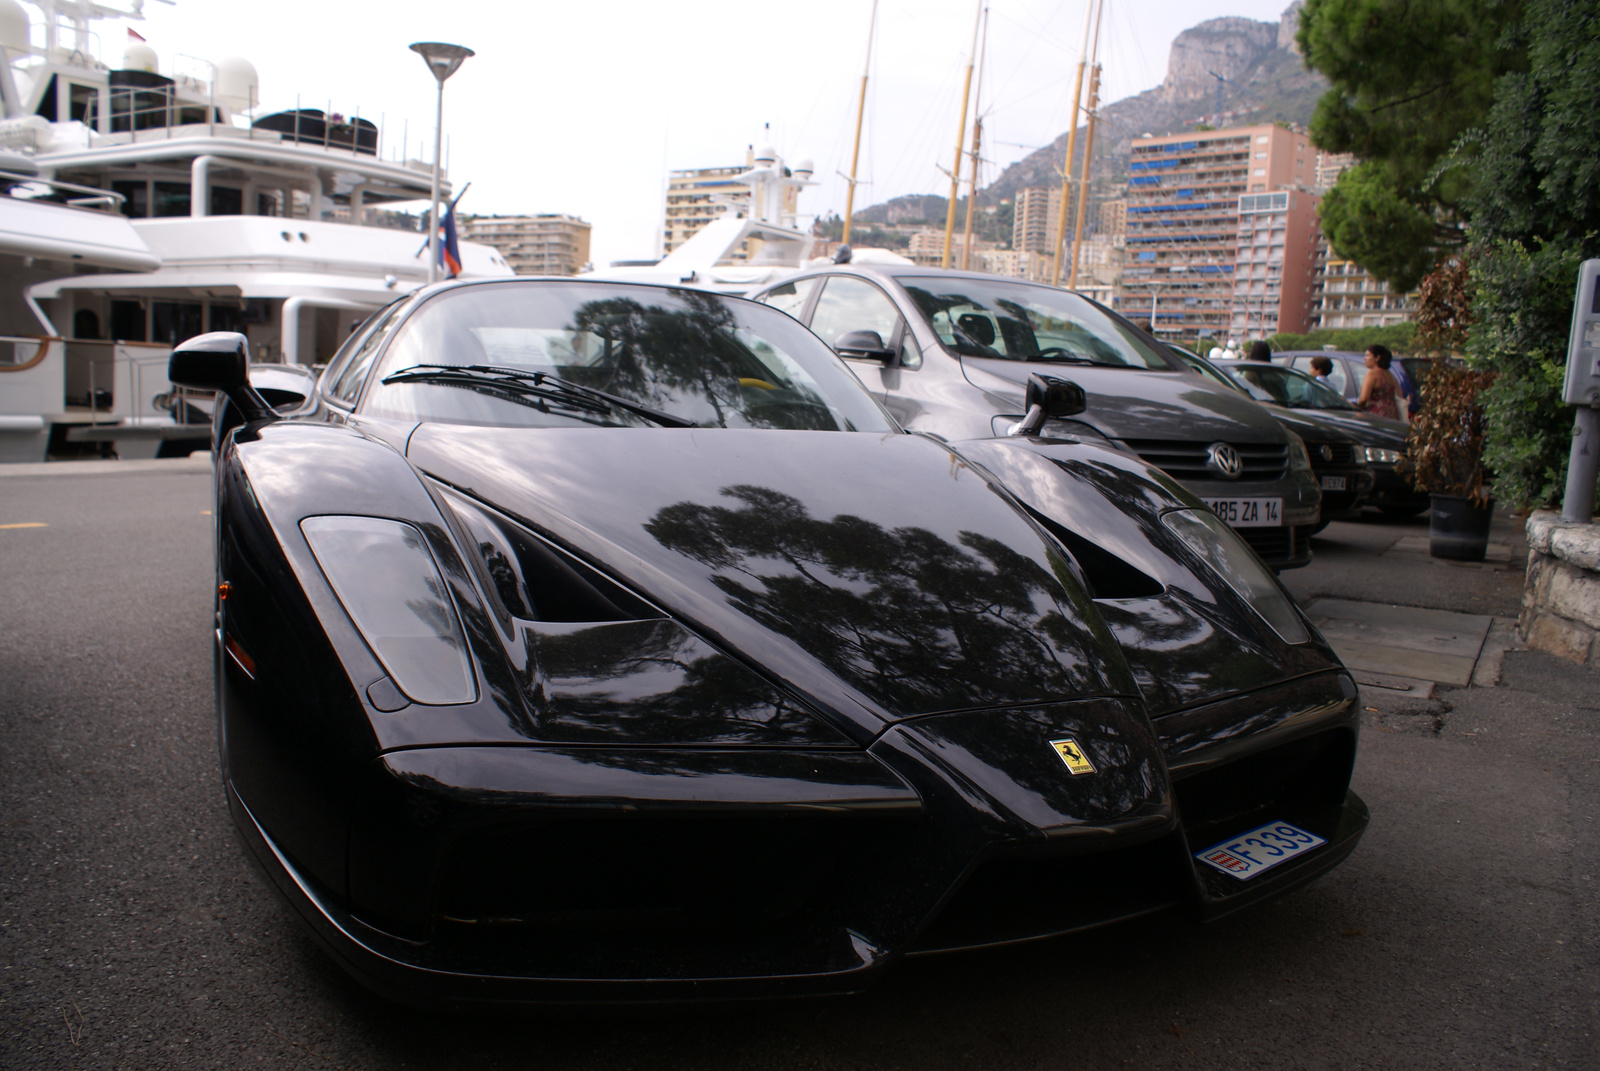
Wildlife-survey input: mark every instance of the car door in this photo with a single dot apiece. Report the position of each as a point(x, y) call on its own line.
point(849, 303)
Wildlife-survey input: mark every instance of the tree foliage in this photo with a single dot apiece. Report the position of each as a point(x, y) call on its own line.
point(1535, 213)
point(1409, 78)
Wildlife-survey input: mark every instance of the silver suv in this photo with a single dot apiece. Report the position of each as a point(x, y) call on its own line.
point(950, 354)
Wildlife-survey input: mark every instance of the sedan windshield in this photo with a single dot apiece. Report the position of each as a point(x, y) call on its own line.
point(563, 354)
point(1022, 322)
point(1284, 386)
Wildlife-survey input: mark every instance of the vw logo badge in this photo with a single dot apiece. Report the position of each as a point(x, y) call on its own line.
point(1223, 460)
point(1327, 452)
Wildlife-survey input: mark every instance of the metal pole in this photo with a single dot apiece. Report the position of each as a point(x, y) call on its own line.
point(961, 140)
point(861, 111)
point(1577, 505)
point(1072, 144)
point(433, 213)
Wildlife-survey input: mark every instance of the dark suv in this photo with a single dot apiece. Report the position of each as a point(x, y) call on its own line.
point(950, 354)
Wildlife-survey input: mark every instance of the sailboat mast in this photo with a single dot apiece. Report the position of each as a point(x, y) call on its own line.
point(1088, 145)
point(977, 142)
point(861, 111)
point(1059, 246)
point(961, 140)
point(972, 192)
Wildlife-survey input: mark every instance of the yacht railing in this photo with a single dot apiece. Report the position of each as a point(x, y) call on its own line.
point(61, 192)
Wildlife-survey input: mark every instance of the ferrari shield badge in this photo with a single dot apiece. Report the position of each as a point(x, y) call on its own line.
point(1073, 756)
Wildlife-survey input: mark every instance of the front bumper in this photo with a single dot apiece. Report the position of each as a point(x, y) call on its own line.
point(508, 875)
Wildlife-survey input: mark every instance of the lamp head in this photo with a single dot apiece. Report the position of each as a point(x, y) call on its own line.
point(442, 59)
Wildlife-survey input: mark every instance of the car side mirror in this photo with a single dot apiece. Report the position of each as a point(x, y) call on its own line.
point(863, 345)
point(219, 361)
point(1047, 397)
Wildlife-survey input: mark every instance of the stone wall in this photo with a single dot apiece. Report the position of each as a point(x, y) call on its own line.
point(1561, 600)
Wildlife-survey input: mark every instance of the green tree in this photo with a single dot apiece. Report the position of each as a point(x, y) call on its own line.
point(1535, 212)
point(1409, 78)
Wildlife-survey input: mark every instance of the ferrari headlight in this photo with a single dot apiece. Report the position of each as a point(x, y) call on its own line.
point(1376, 455)
point(388, 582)
point(1230, 559)
point(1299, 460)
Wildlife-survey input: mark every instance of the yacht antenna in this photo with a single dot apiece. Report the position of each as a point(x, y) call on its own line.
point(1072, 144)
point(861, 111)
point(961, 140)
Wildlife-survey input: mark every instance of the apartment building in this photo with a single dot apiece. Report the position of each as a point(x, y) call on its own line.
point(1274, 271)
point(1113, 218)
point(547, 244)
point(927, 247)
point(1182, 221)
point(1035, 215)
point(1350, 297)
point(697, 196)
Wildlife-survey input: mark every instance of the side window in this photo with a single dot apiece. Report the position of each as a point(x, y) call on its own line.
point(1339, 379)
point(790, 297)
point(910, 352)
point(851, 304)
point(344, 383)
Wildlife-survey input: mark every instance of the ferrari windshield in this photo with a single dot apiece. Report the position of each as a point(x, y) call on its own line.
point(1277, 385)
point(562, 354)
point(1019, 321)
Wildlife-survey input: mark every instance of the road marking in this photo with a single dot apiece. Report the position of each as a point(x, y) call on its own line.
point(29, 524)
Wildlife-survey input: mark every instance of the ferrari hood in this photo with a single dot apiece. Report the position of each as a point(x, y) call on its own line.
point(874, 574)
point(1138, 404)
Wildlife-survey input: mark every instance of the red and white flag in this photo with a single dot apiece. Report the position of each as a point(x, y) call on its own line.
point(135, 34)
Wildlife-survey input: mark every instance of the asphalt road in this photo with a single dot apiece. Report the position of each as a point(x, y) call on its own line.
point(1462, 934)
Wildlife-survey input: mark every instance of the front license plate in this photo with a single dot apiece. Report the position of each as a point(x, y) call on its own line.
point(1248, 512)
point(1262, 848)
point(1333, 483)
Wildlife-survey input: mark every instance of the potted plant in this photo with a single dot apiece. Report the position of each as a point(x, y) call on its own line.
point(1446, 451)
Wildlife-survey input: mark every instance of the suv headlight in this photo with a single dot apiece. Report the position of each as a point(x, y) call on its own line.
point(1377, 455)
point(1232, 560)
point(383, 573)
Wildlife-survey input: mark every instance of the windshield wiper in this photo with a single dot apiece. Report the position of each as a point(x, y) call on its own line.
point(538, 384)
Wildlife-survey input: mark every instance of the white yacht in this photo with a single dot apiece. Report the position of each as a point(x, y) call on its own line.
point(757, 239)
point(144, 207)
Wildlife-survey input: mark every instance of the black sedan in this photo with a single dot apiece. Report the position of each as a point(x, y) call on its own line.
point(585, 642)
point(1338, 457)
point(1382, 441)
point(949, 354)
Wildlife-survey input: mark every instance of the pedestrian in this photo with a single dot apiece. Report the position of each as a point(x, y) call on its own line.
point(1260, 351)
point(1379, 387)
point(1408, 386)
point(1321, 367)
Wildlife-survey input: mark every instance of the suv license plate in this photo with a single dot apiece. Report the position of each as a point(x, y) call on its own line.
point(1333, 483)
point(1248, 512)
point(1261, 849)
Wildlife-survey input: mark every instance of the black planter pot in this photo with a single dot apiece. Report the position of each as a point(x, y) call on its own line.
point(1457, 529)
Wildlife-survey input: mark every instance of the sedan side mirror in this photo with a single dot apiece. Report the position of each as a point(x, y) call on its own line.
point(863, 345)
point(1048, 397)
point(219, 361)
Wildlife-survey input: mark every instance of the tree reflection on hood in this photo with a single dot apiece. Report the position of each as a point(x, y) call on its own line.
point(914, 621)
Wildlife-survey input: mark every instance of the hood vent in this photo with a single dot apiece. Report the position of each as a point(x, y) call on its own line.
point(537, 581)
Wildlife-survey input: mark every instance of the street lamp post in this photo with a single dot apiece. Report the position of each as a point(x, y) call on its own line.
point(442, 60)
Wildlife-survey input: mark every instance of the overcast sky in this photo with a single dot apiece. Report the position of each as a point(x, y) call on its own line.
point(582, 107)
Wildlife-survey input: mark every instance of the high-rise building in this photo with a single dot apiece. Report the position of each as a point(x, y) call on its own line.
point(1275, 264)
point(1114, 218)
point(1183, 220)
point(547, 244)
point(1034, 220)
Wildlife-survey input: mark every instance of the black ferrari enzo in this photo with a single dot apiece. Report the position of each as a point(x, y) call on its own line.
point(583, 642)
